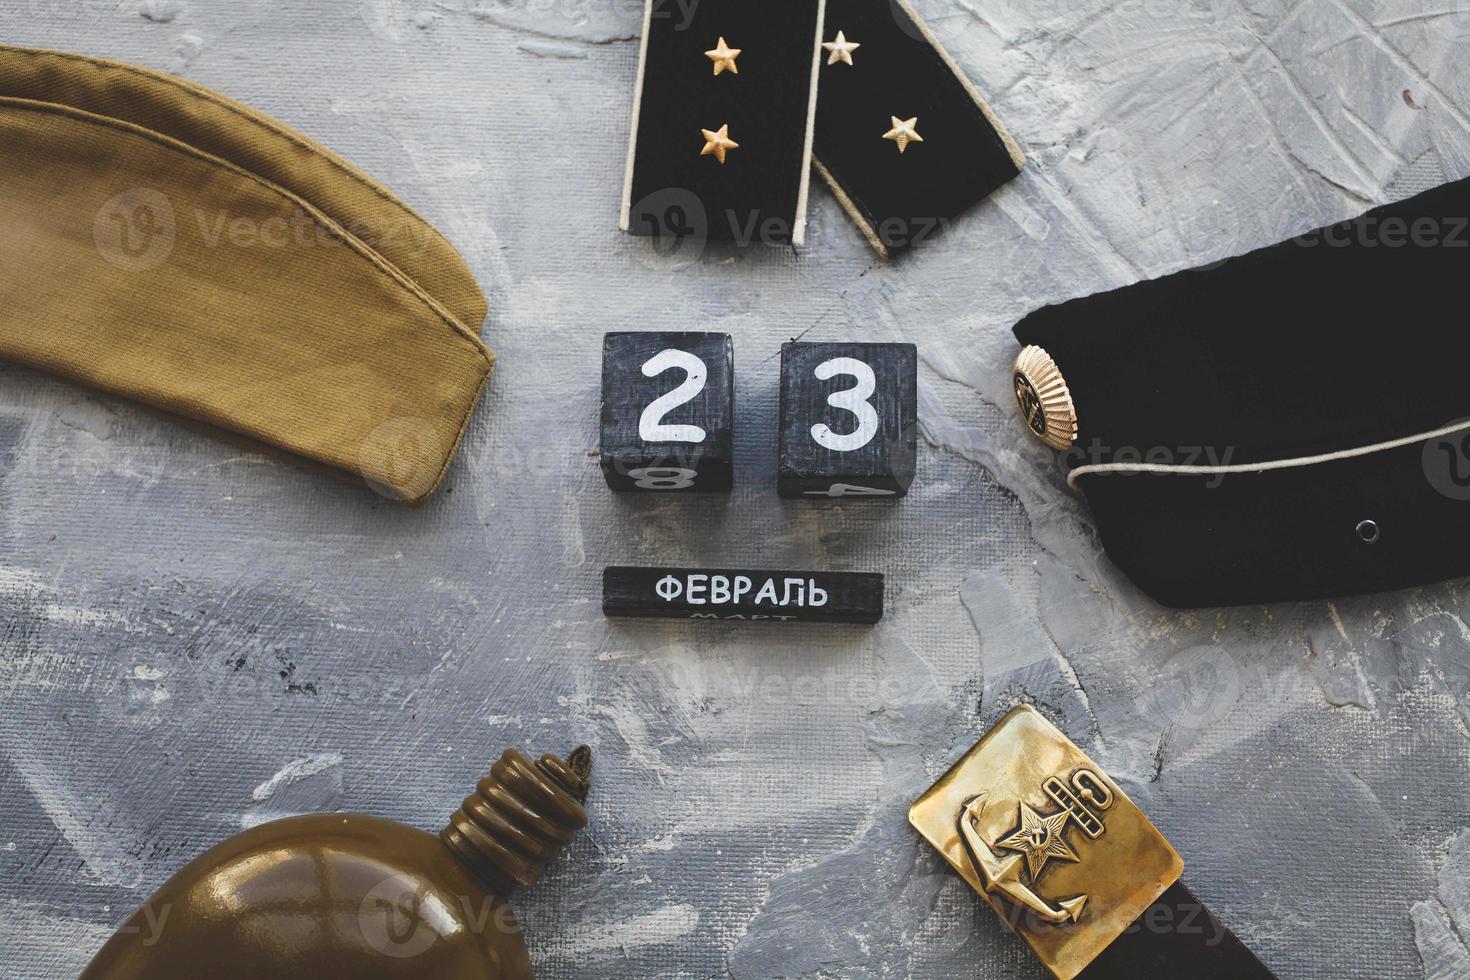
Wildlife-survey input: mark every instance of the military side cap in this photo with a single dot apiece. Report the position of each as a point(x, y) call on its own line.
point(903, 137)
point(722, 121)
point(1291, 424)
point(169, 245)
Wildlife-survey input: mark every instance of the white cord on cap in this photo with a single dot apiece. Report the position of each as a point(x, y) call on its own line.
point(1172, 469)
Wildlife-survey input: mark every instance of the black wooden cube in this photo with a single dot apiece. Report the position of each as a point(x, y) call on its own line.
point(668, 412)
point(849, 420)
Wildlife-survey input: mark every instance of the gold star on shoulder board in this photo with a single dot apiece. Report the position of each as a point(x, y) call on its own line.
point(724, 57)
point(718, 143)
point(1040, 839)
point(904, 132)
point(841, 49)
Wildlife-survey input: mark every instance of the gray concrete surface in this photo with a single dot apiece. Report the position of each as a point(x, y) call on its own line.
point(196, 639)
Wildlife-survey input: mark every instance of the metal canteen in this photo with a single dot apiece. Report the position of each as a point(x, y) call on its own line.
point(339, 896)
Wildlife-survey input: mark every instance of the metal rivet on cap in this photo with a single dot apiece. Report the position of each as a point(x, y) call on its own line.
point(1046, 402)
point(1368, 531)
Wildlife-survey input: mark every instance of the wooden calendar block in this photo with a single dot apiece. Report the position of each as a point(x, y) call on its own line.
point(849, 421)
point(668, 412)
point(723, 594)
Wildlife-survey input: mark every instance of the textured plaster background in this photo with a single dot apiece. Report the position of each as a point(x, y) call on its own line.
point(195, 639)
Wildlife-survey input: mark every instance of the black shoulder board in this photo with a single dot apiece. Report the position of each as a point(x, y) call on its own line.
point(903, 137)
point(722, 126)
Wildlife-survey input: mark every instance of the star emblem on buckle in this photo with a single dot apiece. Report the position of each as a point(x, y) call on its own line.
point(1040, 839)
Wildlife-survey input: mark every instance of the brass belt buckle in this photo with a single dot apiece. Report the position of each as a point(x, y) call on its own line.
point(1062, 854)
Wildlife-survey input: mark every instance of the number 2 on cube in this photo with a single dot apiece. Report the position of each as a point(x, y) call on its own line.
point(650, 424)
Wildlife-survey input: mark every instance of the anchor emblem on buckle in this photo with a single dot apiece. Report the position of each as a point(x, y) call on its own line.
point(1037, 839)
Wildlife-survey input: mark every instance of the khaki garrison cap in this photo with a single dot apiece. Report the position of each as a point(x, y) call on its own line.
point(161, 242)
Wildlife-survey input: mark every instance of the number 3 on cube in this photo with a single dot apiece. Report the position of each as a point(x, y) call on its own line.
point(849, 421)
point(668, 410)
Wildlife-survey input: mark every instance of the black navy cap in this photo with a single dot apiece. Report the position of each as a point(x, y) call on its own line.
point(1291, 424)
point(722, 125)
point(903, 136)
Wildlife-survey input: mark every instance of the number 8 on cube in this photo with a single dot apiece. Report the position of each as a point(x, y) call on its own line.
point(849, 421)
point(668, 410)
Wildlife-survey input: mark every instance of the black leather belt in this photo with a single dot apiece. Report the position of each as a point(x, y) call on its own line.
point(1071, 864)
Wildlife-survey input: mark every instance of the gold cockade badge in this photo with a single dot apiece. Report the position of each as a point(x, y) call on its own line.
point(1044, 398)
point(1051, 843)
